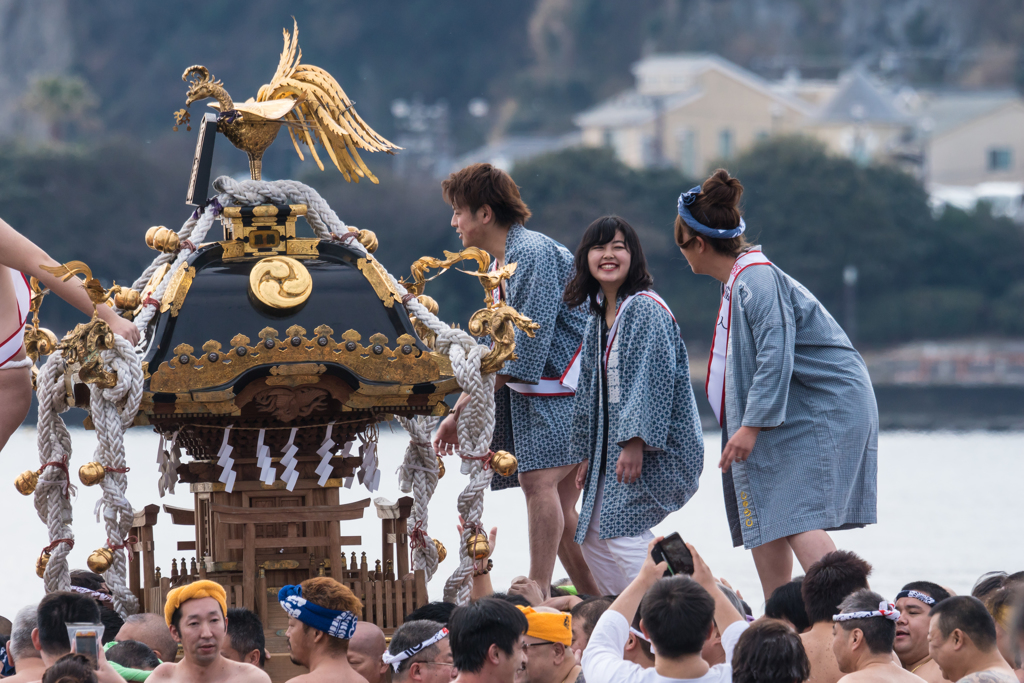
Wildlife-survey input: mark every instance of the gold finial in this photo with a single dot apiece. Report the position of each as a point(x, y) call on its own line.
point(440, 467)
point(441, 551)
point(305, 97)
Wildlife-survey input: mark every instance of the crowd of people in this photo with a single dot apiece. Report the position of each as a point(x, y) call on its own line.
point(824, 627)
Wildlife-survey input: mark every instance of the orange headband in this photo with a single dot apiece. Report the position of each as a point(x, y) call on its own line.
point(550, 626)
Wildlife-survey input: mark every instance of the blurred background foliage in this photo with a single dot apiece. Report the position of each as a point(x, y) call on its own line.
point(113, 167)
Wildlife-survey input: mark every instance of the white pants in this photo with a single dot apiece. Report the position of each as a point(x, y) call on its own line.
point(614, 562)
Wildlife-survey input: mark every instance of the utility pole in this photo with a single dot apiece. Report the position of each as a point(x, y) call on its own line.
point(850, 301)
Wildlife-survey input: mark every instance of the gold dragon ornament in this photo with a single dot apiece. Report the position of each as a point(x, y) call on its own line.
point(498, 320)
point(305, 98)
point(81, 347)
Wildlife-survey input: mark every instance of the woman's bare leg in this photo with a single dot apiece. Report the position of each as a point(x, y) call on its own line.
point(811, 546)
point(15, 399)
point(774, 562)
point(569, 552)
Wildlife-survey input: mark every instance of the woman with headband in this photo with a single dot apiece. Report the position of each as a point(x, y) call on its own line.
point(793, 397)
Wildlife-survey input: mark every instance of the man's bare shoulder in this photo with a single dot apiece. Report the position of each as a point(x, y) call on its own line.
point(165, 672)
point(931, 672)
point(246, 673)
point(890, 673)
point(989, 676)
point(329, 675)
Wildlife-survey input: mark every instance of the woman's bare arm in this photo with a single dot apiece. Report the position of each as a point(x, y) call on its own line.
point(20, 253)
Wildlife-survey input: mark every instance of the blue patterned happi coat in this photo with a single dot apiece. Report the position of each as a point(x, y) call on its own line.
point(792, 371)
point(650, 396)
point(535, 428)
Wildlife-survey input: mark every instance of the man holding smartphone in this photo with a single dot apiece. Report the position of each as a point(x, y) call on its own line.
point(678, 615)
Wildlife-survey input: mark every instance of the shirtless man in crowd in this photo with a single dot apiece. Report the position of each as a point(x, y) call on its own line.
point(195, 613)
point(321, 621)
point(914, 603)
point(865, 629)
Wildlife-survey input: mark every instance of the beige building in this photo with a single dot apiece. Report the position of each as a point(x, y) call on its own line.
point(971, 138)
point(690, 111)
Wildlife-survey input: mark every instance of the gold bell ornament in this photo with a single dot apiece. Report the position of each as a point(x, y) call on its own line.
point(100, 560)
point(478, 546)
point(41, 563)
point(440, 467)
point(127, 299)
point(26, 482)
point(368, 238)
point(92, 473)
point(162, 239)
point(428, 303)
point(504, 463)
point(441, 551)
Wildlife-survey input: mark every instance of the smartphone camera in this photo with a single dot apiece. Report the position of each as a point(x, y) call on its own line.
point(673, 551)
point(87, 639)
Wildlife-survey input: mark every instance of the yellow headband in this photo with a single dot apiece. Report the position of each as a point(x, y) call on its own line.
point(550, 626)
point(199, 589)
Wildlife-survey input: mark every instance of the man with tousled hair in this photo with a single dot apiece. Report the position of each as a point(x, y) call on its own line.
point(151, 630)
point(678, 616)
point(826, 584)
point(196, 614)
point(914, 602)
point(486, 638)
point(131, 659)
point(533, 409)
point(638, 647)
point(420, 653)
point(246, 641)
point(321, 621)
point(863, 633)
point(1000, 605)
point(21, 654)
point(365, 649)
point(962, 640)
point(584, 618)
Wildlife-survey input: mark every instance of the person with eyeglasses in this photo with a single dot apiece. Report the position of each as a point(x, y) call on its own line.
point(420, 653)
point(547, 644)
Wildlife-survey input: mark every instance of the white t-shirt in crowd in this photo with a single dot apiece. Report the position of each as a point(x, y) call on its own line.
point(603, 662)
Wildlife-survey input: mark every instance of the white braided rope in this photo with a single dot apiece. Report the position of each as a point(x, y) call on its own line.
point(14, 364)
point(418, 475)
point(54, 444)
point(113, 410)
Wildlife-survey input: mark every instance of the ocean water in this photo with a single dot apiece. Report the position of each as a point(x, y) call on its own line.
point(947, 510)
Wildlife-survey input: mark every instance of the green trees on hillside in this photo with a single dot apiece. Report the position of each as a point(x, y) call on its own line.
point(920, 277)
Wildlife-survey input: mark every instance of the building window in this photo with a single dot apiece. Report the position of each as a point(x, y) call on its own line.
point(686, 142)
point(1000, 159)
point(725, 144)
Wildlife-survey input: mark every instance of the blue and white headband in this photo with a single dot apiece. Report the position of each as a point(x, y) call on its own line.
point(688, 198)
point(885, 609)
point(917, 595)
point(395, 660)
point(333, 622)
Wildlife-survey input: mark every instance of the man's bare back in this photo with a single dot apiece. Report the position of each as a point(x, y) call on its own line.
point(818, 646)
point(221, 671)
point(886, 672)
point(989, 676)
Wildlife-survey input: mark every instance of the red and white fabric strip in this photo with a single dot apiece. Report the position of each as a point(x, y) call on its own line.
point(714, 386)
point(571, 376)
point(11, 346)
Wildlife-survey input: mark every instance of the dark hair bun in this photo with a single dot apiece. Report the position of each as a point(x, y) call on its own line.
point(717, 205)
